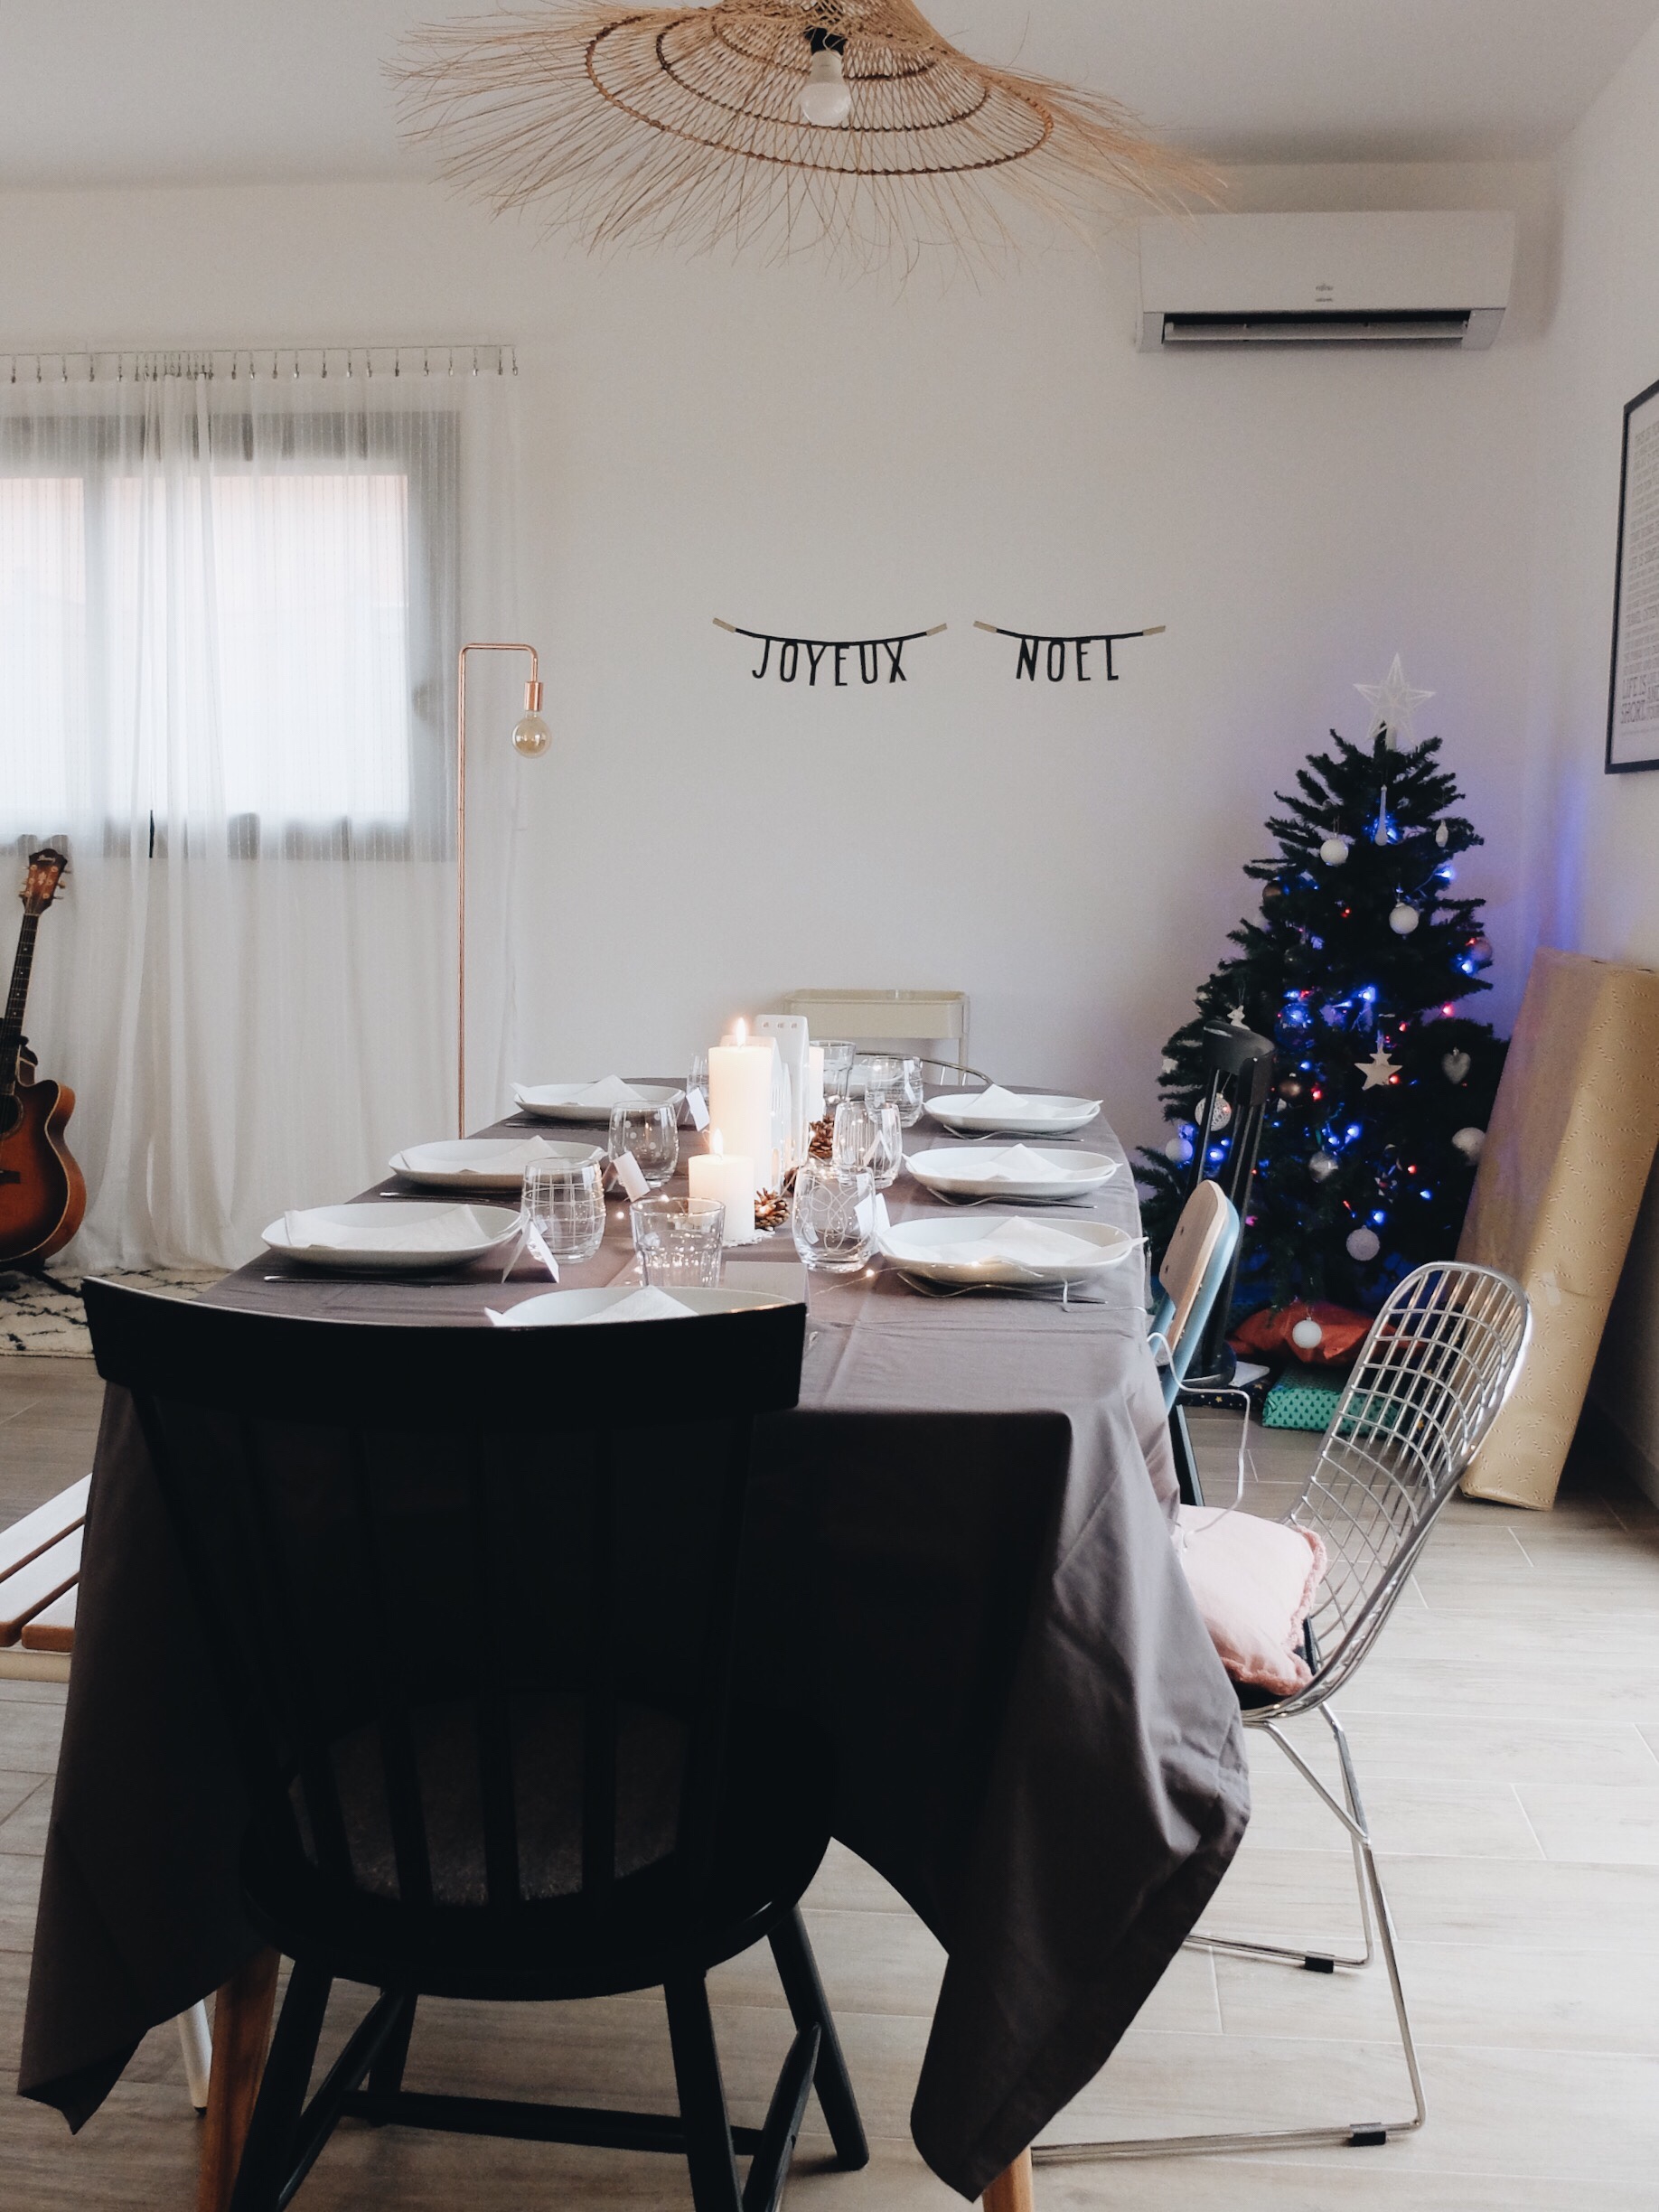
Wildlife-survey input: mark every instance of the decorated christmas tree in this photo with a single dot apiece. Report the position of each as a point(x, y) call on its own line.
point(1356, 970)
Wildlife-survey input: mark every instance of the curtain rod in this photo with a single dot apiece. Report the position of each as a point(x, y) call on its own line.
point(112, 365)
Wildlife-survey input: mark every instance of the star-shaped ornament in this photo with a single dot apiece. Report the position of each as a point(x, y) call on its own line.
point(1379, 1070)
point(1394, 701)
point(1237, 1018)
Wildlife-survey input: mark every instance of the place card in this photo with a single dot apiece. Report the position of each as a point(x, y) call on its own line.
point(536, 1244)
point(629, 1175)
point(697, 1106)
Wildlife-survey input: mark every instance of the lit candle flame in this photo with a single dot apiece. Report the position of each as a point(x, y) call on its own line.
point(740, 1030)
point(717, 1143)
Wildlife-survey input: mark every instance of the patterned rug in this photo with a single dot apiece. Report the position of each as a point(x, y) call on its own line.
point(41, 1316)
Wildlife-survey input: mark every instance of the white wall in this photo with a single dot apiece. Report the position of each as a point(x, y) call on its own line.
point(794, 453)
point(1594, 838)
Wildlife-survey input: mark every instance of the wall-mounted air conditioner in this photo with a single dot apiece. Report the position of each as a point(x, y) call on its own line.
point(1209, 280)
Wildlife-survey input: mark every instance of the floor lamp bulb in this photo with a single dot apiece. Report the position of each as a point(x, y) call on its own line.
point(531, 735)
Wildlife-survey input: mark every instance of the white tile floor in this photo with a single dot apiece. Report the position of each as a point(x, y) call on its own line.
point(1507, 1734)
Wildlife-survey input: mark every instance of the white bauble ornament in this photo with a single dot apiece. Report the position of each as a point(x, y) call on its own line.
point(1470, 1142)
point(1178, 1150)
point(1364, 1245)
point(1320, 1166)
point(1221, 1116)
point(1455, 1066)
point(1333, 851)
point(1404, 920)
point(1442, 836)
point(1307, 1335)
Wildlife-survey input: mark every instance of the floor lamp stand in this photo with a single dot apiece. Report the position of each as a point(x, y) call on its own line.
point(531, 737)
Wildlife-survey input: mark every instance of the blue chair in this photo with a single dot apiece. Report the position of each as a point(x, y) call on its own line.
point(1190, 1277)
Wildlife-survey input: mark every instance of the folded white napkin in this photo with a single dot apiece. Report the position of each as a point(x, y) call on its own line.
point(997, 1100)
point(1017, 1243)
point(609, 1091)
point(458, 1230)
point(1018, 1164)
point(473, 1156)
point(647, 1305)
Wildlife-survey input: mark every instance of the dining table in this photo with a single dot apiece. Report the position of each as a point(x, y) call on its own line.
point(958, 1563)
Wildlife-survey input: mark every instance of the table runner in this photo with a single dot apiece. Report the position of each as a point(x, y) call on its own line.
point(960, 1568)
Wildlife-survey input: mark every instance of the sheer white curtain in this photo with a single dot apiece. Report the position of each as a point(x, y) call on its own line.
point(232, 590)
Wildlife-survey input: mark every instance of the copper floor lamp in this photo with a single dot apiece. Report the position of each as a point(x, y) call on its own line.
point(530, 737)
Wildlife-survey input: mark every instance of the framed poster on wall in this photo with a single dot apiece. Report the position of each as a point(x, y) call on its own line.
point(1632, 692)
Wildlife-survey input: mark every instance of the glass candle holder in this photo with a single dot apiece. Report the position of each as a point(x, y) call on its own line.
point(564, 1200)
point(869, 1137)
point(680, 1241)
point(652, 1134)
point(833, 1216)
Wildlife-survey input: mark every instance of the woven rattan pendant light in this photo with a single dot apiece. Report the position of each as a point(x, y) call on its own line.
point(691, 126)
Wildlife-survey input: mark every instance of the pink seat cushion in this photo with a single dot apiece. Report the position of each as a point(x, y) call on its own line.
point(1255, 1582)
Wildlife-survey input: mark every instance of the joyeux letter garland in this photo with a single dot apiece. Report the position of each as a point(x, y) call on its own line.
point(878, 657)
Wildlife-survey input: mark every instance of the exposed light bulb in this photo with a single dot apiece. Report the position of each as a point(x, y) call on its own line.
point(530, 734)
point(826, 97)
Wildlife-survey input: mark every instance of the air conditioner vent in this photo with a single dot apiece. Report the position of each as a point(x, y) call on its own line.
point(1335, 326)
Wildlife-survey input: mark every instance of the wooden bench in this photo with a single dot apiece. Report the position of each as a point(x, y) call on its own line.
point(40, 1579)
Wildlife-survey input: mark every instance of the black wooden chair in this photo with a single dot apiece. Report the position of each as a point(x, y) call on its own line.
point(472, 1599)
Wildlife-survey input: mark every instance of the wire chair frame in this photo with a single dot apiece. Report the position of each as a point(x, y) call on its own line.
point(1433, 1374)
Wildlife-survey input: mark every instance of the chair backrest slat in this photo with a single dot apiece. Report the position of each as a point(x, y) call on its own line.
point(400, 1771)
point(496, 1793)
point(599, 1716)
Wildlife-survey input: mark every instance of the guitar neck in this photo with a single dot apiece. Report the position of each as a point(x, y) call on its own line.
point(17, 999)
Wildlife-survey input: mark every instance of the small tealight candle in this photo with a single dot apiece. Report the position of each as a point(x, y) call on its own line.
point(729, 1177)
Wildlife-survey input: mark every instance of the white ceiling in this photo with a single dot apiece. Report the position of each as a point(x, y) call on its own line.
point(184, 91)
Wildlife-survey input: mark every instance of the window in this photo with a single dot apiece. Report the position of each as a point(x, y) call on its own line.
point(239, 625)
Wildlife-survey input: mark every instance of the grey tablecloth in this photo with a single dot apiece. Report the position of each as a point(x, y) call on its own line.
point(962, 1567)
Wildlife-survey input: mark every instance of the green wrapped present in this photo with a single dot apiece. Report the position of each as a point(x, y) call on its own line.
point(1297, 1401)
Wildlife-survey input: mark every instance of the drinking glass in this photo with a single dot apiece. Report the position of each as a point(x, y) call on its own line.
point(840, 1052)
point(651, 1133)
point(869, 1137)
point(833, 1216)
point(565, 1199)
point(883, 1078)
point(680, 1241)
point(698, 1080)
point(912, 1091)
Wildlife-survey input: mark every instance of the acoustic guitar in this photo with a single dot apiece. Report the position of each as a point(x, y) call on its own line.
point(42, 1192)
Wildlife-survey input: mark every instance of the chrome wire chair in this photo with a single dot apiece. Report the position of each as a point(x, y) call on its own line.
point(1431, 1377)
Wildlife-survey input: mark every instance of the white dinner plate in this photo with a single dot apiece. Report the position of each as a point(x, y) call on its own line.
point(986, 1171)
point(1022, 1117)
point(486, 1163)
point(392, 1234)
point(1012, 1248)
point(557, 1308)
point(560, 1102)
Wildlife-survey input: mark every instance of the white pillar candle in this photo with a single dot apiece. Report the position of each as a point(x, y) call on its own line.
point(815, 1082)
point(729, 1177)
point(740, 1100)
